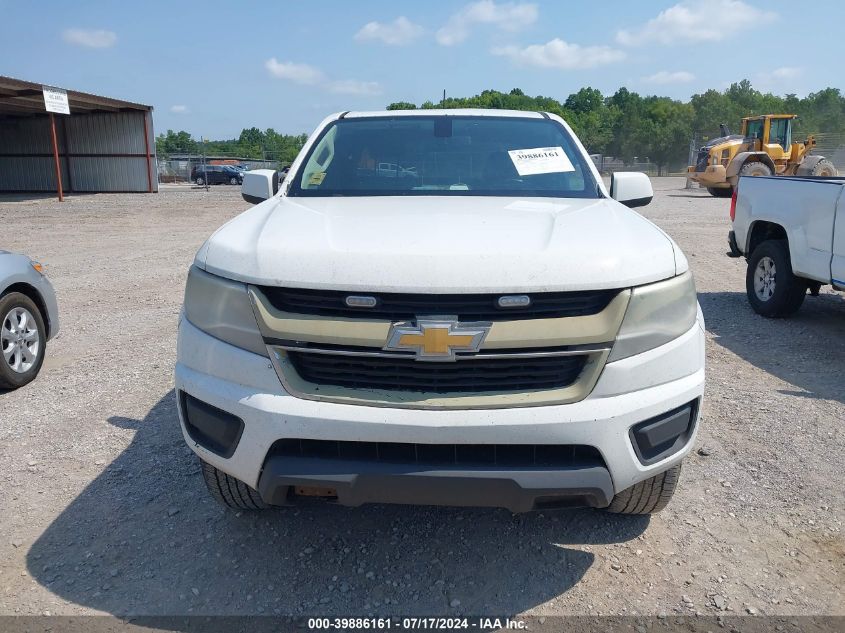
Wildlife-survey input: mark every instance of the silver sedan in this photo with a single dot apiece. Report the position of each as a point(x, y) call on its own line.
point(30, 318)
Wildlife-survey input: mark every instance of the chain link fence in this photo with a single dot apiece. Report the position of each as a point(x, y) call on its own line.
point(607, 165)
point(178, 168)
point(832, 147)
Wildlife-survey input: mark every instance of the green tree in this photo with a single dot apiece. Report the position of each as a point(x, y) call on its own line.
point(251, 136)
point(585, 100)
point(175, 143)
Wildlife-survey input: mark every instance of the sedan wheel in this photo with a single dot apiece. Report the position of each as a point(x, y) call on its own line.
point(22, 340)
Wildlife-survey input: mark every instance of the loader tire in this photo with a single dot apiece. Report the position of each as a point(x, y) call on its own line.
point(755, 168)
point(720, 192)
point(649, 496)
point(230, 492)
point(824, 168)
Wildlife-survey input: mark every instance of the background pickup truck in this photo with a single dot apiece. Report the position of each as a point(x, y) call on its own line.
point(792, 232)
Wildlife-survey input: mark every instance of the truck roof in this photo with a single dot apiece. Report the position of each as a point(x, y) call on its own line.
point(525, 114)
point(770, 116)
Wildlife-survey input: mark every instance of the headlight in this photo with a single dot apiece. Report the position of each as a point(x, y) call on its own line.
point(220, 307)
point(657, 313)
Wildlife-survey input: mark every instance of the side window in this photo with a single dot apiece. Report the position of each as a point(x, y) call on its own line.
point(321, 158)
point(755, 130)
point(781, 132)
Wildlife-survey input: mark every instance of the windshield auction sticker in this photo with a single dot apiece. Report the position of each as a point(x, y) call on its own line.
point(540, 160)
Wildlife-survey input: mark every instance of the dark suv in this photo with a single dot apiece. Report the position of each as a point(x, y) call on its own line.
point(216, 175)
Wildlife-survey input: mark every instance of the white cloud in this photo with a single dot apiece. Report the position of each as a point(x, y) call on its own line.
point(298, 73)
point(782, 80)
point(90, 38)
point(397, 33)
point(311, 76)
point(560, 54)
point(353, 87)
point(508, 16)
point(786, 72)
point(179, 109)
point(697, 21)
point(666, 77)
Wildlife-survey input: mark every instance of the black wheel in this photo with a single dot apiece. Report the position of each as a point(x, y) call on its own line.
point(824, 168)
point(200, 181)
point(649, 496)
point(23, 339)
point(720, 192)
point(230, 492)
point(755, 168)
point(772, 289)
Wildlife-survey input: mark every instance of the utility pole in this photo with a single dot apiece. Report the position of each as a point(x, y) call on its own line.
point(56, 158)
point(204, 164)
point(692, 156)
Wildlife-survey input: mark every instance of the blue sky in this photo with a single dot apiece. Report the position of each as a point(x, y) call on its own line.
point(213, 68)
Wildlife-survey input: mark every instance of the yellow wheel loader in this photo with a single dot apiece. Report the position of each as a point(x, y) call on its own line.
point(763, 148)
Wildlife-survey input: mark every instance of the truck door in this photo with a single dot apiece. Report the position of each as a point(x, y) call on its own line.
point(837, 263)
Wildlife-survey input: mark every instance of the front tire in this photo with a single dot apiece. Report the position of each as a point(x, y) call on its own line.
point(755, 168)
point(23, 339)
point(824, 168)
point(233, 181)
point(772, 288)
point(720, 192)
point(230, 492)
point(200, 181)
point(649, 496)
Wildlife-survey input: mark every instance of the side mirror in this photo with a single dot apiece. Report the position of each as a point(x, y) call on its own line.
point(260, 185)
point(631, 188)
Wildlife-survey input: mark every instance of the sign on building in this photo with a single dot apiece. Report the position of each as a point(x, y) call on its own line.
point(55, 100)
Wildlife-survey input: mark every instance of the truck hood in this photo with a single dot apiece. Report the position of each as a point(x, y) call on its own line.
point(441, 244)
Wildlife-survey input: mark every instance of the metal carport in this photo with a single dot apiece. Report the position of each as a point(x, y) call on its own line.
point(104, 145)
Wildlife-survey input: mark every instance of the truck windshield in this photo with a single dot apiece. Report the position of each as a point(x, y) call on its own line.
point(444, 155)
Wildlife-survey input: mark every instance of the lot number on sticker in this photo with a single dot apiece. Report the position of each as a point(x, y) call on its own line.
point(540, 160)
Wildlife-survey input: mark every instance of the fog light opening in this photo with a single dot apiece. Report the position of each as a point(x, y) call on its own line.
point(664, 435)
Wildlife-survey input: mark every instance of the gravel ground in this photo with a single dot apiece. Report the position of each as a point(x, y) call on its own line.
point(103, 509)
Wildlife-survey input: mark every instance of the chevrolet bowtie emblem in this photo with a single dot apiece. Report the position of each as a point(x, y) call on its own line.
point(436, 339)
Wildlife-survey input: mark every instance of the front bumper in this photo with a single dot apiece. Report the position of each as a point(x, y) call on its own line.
point(714, 176)
point(353, 483)
point(733, 246)
point(628, 392)
point(48, 294)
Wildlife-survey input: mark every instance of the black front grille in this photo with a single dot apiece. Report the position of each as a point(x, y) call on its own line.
point(465, 376)
point(468, 307)
point(703, 160)
point(515, 455)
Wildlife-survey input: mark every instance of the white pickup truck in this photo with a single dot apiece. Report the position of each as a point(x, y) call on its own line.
point(792, 233)
point(482, 324)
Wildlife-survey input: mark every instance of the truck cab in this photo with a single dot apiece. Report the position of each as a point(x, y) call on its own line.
point(772, 134)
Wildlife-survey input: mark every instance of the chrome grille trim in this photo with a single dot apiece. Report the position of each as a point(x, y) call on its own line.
point(573, 351)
